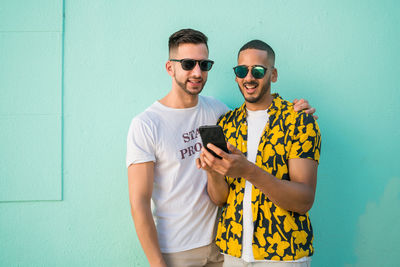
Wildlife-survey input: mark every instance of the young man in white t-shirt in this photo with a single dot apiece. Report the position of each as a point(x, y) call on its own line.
point(162, 145)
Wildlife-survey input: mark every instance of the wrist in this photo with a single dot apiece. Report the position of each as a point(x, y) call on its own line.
point(251, 170)
point(214, 176)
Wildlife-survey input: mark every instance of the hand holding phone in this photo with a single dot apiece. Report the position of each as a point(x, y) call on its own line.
point(213, 134)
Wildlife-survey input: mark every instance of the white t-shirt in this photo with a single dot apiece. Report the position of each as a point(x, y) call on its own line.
point(182, 210)
point(256, 122)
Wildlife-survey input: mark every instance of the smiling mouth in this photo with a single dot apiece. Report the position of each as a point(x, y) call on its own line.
point(250, 87)
point(195, 82)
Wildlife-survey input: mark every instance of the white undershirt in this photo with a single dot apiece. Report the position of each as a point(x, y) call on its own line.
point(256, 122)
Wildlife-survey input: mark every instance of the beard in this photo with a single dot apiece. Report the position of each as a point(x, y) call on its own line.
point(263, 92)
point(184, 87)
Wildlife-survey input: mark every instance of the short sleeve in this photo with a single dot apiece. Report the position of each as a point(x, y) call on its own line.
point(306, 139)
point(223, 109)
point(215, 106)
point(222, 119)
point(140, 143)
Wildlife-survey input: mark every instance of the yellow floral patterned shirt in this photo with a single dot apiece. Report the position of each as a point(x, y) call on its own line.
point(278, 234)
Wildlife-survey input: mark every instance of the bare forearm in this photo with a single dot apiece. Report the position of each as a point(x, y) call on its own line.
point(289, 195)
point(217, 189)
point(147, 233)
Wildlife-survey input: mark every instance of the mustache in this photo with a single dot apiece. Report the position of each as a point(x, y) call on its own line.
point(199, 79)
point(251, 83)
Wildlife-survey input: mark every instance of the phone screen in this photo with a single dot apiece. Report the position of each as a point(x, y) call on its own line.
point(213, 134)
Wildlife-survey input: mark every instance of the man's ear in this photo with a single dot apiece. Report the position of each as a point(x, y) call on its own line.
point(274, 75)
point(169, 68)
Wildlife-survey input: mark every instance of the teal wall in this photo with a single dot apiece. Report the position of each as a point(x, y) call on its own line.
point(109, 61)
point(30, 100)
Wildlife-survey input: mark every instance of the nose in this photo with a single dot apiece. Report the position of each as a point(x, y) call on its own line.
point(197, 71)
point(249, 76)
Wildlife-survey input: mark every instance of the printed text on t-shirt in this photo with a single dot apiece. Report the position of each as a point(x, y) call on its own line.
point(191, 149)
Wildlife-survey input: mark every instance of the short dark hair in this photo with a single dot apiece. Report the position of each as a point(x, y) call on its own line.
point(186, 36)
point(260, 45)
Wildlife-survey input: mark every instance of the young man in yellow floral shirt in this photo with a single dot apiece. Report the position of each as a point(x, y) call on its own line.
point(267, 183)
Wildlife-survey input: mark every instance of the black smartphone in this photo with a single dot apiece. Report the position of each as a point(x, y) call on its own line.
point(213, 134)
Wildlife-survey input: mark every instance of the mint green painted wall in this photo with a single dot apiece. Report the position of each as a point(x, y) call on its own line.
point(30, 100)
point(340, 55)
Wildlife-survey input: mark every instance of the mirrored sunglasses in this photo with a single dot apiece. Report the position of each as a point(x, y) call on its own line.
point(257, 71)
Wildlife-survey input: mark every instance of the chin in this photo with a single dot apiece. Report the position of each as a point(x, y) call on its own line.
point(251, 100)
point(194, 91)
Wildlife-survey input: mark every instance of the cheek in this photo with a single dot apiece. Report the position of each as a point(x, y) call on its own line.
point(179, 74)
point(205, 75)
point(172, 71)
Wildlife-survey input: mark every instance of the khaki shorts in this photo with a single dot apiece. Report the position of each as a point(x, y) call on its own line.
point(203, 256)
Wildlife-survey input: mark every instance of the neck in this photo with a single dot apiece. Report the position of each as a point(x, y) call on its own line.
point(179, 99)
point(261, 104)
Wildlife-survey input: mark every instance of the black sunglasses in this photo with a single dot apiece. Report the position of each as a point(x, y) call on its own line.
point(257, 71)
point(189, 64)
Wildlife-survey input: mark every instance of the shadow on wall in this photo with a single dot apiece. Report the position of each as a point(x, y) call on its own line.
point(378, 230)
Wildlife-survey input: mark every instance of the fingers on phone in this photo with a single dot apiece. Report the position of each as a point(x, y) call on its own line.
point(206, 159)
point(216, 150)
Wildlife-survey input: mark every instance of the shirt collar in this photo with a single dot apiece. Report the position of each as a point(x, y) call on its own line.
point(272, 109)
